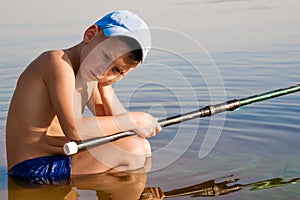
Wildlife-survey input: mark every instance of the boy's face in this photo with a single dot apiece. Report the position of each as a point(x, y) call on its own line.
point(105, 61)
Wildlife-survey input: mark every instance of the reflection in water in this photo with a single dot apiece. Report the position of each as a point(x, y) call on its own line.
point(276, 182)
point(130, 186)
point(117, 186)
point(211, 188)
point(121, 185)
point(207, 188)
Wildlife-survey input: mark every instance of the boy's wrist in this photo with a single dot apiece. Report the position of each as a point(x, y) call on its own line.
point(124, 122)
point(105, 90)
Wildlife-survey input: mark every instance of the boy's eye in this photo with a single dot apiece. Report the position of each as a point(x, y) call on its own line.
point(116, 70)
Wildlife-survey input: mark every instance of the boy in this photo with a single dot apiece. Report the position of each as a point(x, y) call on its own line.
point(47, 105)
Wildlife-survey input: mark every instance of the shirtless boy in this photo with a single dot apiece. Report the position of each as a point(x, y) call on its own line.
point(50, 96)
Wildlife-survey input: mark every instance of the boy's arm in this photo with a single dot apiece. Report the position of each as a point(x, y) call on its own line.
point(110, 102)
point(104, 102)
point(60, 81)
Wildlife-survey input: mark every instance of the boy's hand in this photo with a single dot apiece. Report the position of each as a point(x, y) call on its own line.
point(142, 123)
point(145, 125)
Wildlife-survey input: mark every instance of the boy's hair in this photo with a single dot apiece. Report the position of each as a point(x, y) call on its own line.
point(136, 53)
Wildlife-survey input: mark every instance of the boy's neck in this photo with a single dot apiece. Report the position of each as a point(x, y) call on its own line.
point(74, 55)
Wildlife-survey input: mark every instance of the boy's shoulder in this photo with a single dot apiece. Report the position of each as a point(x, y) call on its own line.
point(53, 59)
point(52, 56)
point(50, 64)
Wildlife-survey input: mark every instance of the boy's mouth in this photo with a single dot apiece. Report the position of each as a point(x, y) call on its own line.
point(97, 77)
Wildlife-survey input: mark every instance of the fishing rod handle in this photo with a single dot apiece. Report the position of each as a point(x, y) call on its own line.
point(73, 147)
point(70, 148)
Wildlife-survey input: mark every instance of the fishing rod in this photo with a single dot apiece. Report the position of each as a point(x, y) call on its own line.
point(73, 147)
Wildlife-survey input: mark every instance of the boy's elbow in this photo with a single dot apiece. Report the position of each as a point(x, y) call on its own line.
point(72, 134)
point(88, 127)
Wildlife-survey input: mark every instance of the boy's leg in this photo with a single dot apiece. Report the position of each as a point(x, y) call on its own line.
point(122, 155)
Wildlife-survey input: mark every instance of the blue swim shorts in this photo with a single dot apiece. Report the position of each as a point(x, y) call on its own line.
point(43, 170)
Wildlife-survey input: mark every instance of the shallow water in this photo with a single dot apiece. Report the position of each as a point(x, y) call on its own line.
point(249, 153)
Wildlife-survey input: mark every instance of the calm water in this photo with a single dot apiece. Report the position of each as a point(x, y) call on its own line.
point(250, 153)
point(258, 143)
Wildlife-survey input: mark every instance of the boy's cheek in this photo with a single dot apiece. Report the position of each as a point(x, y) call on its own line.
point(109, 81)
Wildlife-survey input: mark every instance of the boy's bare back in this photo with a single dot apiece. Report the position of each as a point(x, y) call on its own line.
point(32, 127)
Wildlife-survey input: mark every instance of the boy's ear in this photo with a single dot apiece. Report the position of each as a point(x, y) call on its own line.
point(90, 33)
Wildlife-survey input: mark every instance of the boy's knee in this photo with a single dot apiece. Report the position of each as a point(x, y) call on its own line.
point(138, 149)
point(136, 146)
point(136, 162)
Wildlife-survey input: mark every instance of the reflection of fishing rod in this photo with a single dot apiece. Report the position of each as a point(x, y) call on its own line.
point(206, 189)
point(73, 147)
point(211, 188)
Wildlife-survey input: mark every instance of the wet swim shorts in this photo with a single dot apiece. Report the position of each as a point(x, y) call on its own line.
point(43, 170)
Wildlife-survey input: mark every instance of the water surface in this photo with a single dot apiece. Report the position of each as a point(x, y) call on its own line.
point(250, 153)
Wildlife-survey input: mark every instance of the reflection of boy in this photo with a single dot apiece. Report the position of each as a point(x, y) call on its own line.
point(99, 186)
point(42, 117)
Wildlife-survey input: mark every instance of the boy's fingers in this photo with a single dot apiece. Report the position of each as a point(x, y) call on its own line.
point(159, 127)
point(143, 132)
point(153, 133)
